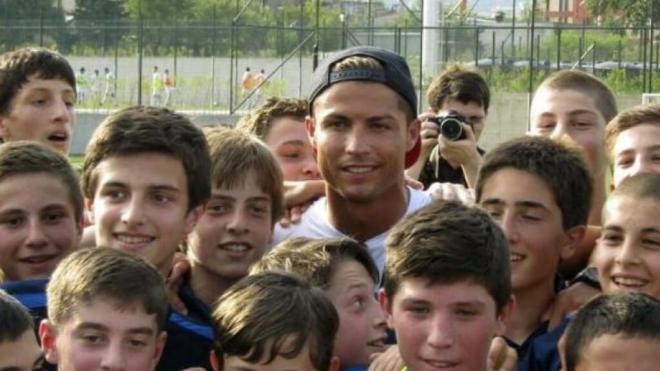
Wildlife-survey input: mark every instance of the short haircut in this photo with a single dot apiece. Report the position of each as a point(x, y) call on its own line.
point(446, 243)
point(631, 315)
point(235, 155)
point(639, 187)
point(559, 165)
point(17, 66)
point(259, 120)
point(137, 130)
point(586, 84)
point(461, 83)
point(363, 62)
point(25, 157)
point(316, 260)
point(106, 274)
point(274, 314)
point(638, 115)
point(15, 319)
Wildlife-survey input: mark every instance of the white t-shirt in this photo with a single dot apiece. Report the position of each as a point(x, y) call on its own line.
point(314, 224)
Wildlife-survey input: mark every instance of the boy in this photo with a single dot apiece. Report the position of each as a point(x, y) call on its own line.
point(464, 91)
point(146, 178)
point(19, 350)
point(632, 142)
point(539, 192)
point(614, 332)
point(447, 289)
point(41, 210)
point(280, 124)
point(237, 224)
point(106, 310)
point(345, 271)
point(274, 321)
point(37, 98)
point(627, 255)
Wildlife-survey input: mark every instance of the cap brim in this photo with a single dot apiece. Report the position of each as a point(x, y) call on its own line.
point(413, 154)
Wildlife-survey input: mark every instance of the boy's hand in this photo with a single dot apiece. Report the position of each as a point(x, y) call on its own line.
point(389, 360)
point(174, 281)
point(501, 357)
point(451, 192)
point(298, 195)
point(462, 153)
point(568, 301)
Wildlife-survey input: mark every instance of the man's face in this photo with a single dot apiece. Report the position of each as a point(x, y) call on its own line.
point(524, 207)
point(99, 336)
point(38, 226)
point(22, 354)
point(361, 136)
point(361, 321)
point(234, 230)
point(42, 111)
point(635, 151)
point(472, 111)
point(444, 325)
point(556, 113)
point(615, 352)
point(627, 254)
point(141, 206)
point(288, 140)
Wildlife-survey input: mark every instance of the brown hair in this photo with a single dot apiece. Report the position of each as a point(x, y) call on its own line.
point(235, 155)
point(586, 84)
point(259, 120)
point(274, 314)
point(15, 319)
point(316, 260)
point(638, 115)
point(17, 66)
point(24, 157)
point(102, 272)
point(445, 243)
point(561, 167)
point(138, 129)
point(638, 187)
point(461, 83)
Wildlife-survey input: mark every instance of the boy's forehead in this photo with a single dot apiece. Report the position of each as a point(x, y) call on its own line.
point(548, 100)
point(107, 313)
point(466, 291)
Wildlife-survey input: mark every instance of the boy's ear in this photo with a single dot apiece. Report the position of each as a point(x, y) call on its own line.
point(385, 305)
point(216, 365)
point(414, 129)
point(89, 210)
point(505, 315)
point(573, 237)
point(310, 127)
point(335, 364)
point(161, 339)
point(193, 217)
point(47, 339)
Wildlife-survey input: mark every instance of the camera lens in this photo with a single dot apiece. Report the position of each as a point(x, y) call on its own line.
point(451, 128)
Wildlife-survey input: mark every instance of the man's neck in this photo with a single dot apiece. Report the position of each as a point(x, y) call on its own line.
point(531, 303)
point(208, 286)
point(365, 220)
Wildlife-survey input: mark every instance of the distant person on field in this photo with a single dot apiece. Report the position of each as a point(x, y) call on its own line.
point(157, 88)
point(109, 90)
point(168, 83)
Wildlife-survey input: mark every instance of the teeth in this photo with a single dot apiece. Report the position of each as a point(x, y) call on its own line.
point(440, 364)
point(234, 248)
point(516, 257)
point(628, 281)
point(133, 239)
point(359, 169)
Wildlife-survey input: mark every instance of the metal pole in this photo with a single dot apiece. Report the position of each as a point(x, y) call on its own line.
point(651, 48)
point(317, 39)
point(421, 55)
point(300, 53)
point(476, 46)
point(140, 42)
point(513, 32)
point(558, 48)
point(531, 49)
point(213, 46)
point(41, 26)
point(176, 37)
point(370, 36)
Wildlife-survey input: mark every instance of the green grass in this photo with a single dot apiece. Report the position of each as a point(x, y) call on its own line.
point(76, 161)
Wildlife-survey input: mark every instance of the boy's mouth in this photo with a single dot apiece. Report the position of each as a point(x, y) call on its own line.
point(38, 259)
point(378, 343)
point(629, 282)
point(235, 249)
point(133, 240)
point(58, 137)
point(440, 364)
point(515, 257)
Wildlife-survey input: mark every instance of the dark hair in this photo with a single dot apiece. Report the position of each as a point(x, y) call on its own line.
point(25, 157)
point(639, 187)
point(445, 243)
point(316, 260)
point(103, 272)
point(274, 314)
point(259, 121)
point(17, 66)
point(632, 315)
point(15, 319)
point(139, 129)
point(562, 168)
point(460, 83)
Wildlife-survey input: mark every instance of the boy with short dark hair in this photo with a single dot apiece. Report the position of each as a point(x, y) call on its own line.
point(19, 350)
point(614, 332)
point(280, 124)
point(539, 192)
point(345, 271)
point(447, 286)
point(37, 96)
point(274, 321)
point(632, 141)
point(146, 179)
point(237, 225)
point(106, 310)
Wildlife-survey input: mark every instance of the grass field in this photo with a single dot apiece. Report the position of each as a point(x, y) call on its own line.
point(76, 161)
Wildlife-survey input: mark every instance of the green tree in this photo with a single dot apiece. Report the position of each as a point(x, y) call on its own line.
point(629, 12)
point(93, 22)
point(24, 22)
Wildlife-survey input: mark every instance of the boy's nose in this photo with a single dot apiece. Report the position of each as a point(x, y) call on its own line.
point(36, 236)
point(441, 333)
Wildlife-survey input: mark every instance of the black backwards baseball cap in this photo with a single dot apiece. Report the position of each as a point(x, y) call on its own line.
point(395, 75)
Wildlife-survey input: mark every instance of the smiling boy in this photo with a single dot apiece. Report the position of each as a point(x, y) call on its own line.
point(37, 96)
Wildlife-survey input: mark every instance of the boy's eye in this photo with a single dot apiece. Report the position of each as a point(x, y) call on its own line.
point(624, 162)
point(419, 309)
point(217, 208)
point(651, 243)
point(465, 312)
point(258, 209)
point(12, 221)
point(53, 216)
point(161, 198)
point(611, 239)
point(92, 339)
point(358, 302)
point(137, 343)
point(114, 194)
